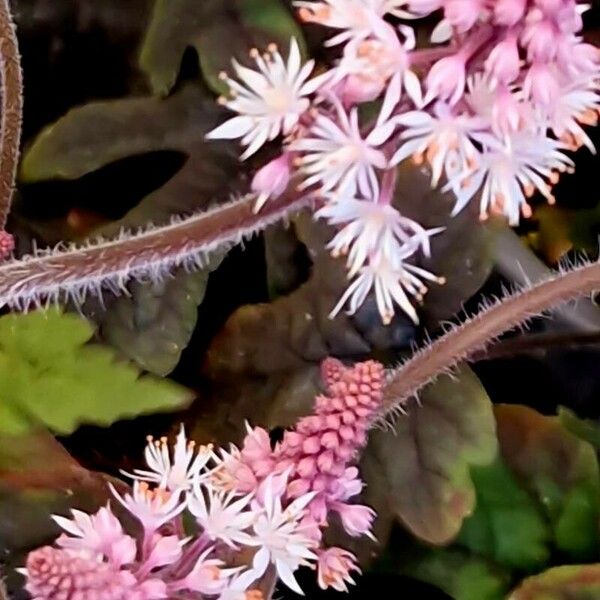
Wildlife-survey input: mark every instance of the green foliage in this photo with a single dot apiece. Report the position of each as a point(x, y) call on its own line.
point(585, 429)
point(559, 469)
point(153, 325)
point(460, 574)
point(426, 462)
point(570, 582)
point(507, 525)
point(50, 376)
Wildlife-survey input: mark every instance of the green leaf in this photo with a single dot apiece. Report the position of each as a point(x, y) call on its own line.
point(561, 470)
point(92, 136)
point(462, 576)
point(586, 429)
point(219, 30)
point(571, 582)
point(426, 461)
point(507, 525)
point(154, 323)
point(49, 376)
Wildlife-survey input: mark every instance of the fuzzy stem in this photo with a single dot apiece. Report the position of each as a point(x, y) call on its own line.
point(72, 273)
point(11, 109)
point(472, 336)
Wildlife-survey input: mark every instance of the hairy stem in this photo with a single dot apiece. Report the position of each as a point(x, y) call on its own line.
point(76, 271)
point(472, 336)
point(517, 262)
point(11, 109)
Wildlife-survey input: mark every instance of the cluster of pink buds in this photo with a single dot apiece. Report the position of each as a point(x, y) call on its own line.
point(492, 108)
point(210, 523)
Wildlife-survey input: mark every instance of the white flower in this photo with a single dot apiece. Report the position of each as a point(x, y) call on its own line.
point(353, 17)
point(269, 101)
point(175, 472)
point(443, 139)
point(509, 171)
point(278, 535)
point(577, 104)
point(237, 586)
point(381, 62)
point(392, 284)
point(337, 157)
point(371, 227)
point(151, 507)
point(223, 516)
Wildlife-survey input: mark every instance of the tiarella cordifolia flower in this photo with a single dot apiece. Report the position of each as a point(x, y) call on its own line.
point(67, 575)
point(278, 535)
point(100, 533)
point(336, 156)
point(443, 139)
point(392, 284)
point(151, 507)
point(334, 569)
point(269, 101)
point(317, 452)
point(222, 515)
point(207, 576)
point(509, 172)
point(173, 470)
point(236, 536)
point(577, 105)
point(272, 180)
point(7, 244)
point(370, 227)
point(237, 588)
point(381, 62)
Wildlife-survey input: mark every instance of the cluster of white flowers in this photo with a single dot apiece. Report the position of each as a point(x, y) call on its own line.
point(492, 109)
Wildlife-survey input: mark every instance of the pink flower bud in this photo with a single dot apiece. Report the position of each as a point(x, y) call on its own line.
point(540, 85)
point(356, 518)
point(540, 38)
point(446, 79)
point(272, 180)
point(503, 62)
point(509, 12)
point(334, 568)
point(7, 244)
point(463, 14)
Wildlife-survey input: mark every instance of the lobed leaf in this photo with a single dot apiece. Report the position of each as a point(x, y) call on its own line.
point(50, 376)
point(426, 461)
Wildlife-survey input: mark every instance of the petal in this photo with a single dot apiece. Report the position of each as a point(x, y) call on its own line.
point(236, 127)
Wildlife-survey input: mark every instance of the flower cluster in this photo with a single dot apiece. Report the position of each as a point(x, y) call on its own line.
point(210, 522)
point(492, 109)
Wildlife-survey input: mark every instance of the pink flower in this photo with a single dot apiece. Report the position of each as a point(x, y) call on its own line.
point(446, 80)
point(503, 62)
point(541, 85)
point(66, 575)
point(7, 244)
point(540, 38)
point(509, 12)
point(357, 519)
point(271, 180)
point(207, 577)
point(334, 568)
point(101, 533)
point(463, 14)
